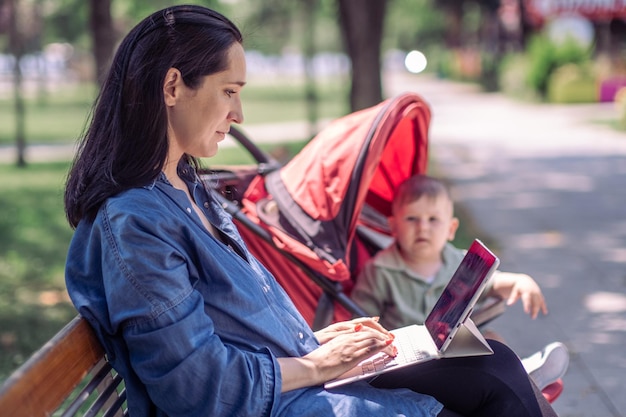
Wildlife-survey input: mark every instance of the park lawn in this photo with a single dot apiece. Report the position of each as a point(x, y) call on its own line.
point(59, 117)
point(33, 241)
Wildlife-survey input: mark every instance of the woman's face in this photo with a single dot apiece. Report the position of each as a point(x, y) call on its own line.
point(198, 119)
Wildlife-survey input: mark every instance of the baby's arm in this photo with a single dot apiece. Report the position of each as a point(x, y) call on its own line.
point(513, 286)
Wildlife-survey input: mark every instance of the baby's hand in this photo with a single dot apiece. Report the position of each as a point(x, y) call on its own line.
point(513, 286)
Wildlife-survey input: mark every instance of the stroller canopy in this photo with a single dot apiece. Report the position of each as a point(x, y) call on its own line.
point(312, 205)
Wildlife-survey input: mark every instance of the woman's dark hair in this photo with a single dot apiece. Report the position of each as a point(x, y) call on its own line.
point(125, 143)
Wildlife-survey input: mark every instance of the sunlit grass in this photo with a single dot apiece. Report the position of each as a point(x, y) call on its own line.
point(33, 241)
point(60, 116)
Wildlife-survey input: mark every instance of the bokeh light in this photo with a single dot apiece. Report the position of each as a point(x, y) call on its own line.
point(415, 62)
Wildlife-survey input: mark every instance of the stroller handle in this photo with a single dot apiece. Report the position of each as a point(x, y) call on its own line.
point(264, 160)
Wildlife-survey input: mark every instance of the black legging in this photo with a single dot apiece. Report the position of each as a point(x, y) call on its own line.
point(477, 386)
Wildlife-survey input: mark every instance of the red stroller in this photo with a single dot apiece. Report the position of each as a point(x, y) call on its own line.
point(309, 210)
point(314, 221)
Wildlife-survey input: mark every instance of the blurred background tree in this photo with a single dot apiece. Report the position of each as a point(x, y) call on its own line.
point(22, 23)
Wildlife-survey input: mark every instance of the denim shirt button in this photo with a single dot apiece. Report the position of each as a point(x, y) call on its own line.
point(189, 210)
point(300, 335)
point(206, 204)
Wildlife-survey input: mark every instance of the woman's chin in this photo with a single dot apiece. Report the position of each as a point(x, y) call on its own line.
point(207, 153)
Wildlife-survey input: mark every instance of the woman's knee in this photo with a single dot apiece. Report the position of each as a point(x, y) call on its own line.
point(503, 352)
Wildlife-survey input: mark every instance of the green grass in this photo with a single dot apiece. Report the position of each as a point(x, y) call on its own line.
point(33, 242)
point(269, 102)
point(60, 117)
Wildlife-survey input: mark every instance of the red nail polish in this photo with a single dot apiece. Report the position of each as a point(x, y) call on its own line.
point(358, 327)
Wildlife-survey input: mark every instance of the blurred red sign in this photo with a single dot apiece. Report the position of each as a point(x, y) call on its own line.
point(595, 10)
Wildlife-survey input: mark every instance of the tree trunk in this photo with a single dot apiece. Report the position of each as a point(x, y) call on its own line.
point(454, 25)
point(312, 99)
point(20, 114)
point(16, 45)
point(101, 25)
point(361, 24)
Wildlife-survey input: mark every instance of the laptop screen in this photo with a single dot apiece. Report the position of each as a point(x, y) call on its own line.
point(461, 293)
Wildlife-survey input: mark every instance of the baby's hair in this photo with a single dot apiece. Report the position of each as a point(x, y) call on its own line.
point(418, 186)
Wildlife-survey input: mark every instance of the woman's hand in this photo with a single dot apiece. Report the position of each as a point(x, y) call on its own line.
point(344, 327)
point(343, 346)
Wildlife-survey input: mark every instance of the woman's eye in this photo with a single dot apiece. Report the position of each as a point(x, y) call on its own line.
point(229, 93)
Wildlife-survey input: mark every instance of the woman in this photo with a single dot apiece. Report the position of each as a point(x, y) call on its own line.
point(194, 324)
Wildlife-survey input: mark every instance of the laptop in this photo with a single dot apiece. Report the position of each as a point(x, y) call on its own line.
point(447, 332)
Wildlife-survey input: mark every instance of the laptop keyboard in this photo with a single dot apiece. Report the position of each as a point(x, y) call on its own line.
point(377, 363)
point(406, 353)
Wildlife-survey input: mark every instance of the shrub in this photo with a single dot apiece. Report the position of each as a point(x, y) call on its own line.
point(513, 73)
point(572, 83)
point(546, 56)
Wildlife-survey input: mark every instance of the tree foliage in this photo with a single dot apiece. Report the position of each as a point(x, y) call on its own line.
point(413, 24)
point(66, 21)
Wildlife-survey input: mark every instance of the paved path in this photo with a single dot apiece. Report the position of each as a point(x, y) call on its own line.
point(548, 184)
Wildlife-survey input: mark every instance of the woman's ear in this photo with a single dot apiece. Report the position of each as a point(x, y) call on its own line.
point(171, 86)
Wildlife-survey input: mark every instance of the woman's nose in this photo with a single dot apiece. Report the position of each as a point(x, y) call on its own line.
point(236, 114)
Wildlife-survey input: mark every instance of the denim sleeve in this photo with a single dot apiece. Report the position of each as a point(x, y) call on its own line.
point(194, 373)
point(172, 347)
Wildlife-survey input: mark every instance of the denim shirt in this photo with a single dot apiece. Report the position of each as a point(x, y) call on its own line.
point(194, 325)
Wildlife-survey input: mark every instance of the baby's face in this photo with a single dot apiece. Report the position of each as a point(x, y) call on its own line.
point(423, 227)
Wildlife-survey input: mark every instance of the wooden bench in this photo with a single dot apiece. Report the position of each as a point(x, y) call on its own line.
point(68, 376)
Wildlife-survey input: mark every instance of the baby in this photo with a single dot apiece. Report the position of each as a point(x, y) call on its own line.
point(402, 283)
